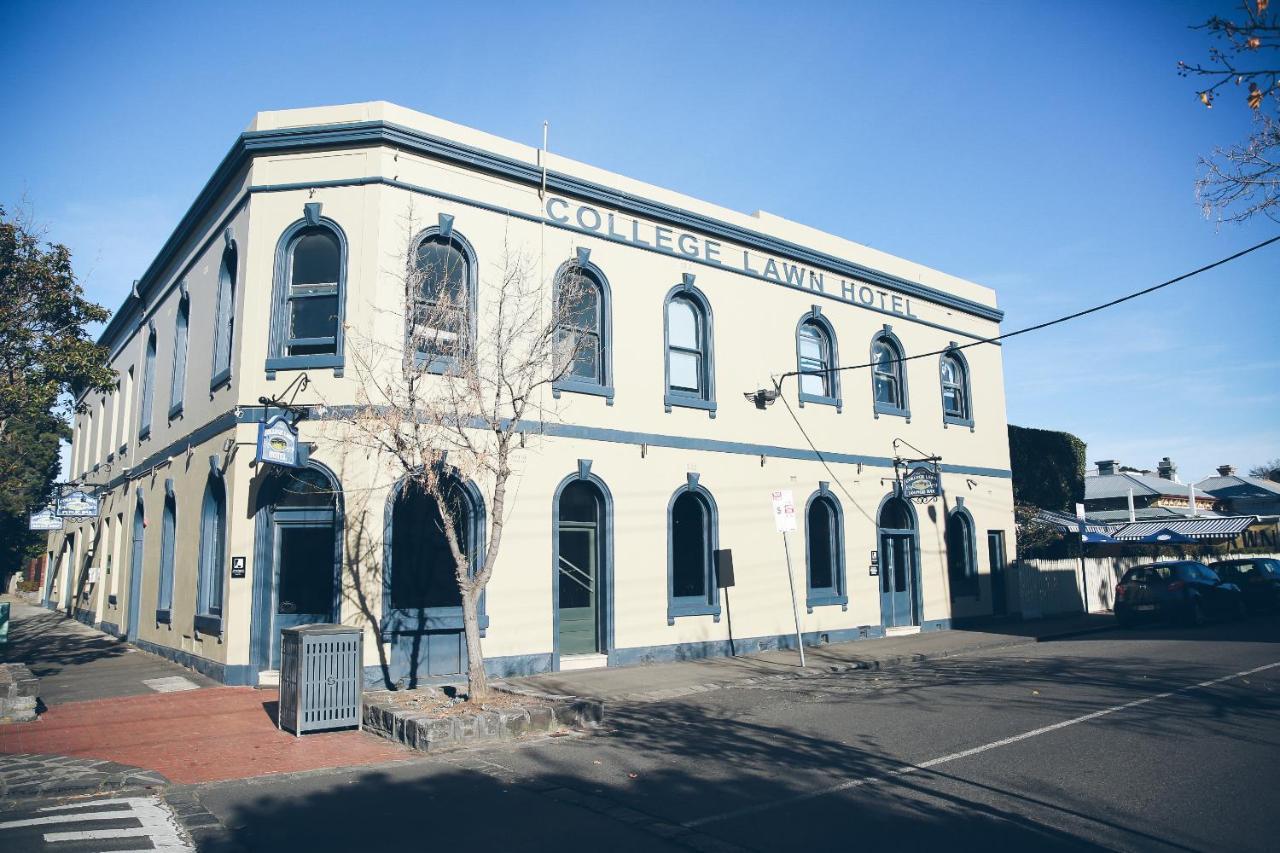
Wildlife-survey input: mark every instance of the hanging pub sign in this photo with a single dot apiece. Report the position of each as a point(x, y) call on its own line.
point(922, 483)
point(77, 504)
point(45, 519)
point(277, 443)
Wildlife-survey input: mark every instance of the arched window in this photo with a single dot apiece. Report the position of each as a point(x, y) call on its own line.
point(444, 300)
point(178, 379)
point(582, 338)
point(306, 328)
point(962, 568)
point(888, 375)
point(168, 534)
point(224, 321)
point(148, 386)
point(134, 610)
point(690, 369)
point(954, 374)
point(213, 555)
point(423, 570)
point(692, 539)
point(815, 358)
point(824, 550)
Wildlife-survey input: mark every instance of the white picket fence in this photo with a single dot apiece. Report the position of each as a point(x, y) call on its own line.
point(1053, 587)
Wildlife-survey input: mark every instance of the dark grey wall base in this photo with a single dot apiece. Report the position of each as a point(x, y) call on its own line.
point(232, 674)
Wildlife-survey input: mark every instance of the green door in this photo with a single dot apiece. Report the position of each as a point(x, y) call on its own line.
point(577, 576)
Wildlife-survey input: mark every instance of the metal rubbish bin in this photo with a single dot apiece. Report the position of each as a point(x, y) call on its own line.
point(321, 677)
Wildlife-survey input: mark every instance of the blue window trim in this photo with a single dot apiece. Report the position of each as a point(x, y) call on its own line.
point(148, 396)
point(225, 313)
point(181, 340)
point(837, 593)
point(963, 363)
point(446, 232)
point(276, 358)
point(708, 605)
point(574, 385)
point(815, 318)
point(707, 400)
point(886, 334)
point(266, 574)
point(211, 573)
point(969, 586)
point(168, 556)
point(605, 532)
point(431, 618)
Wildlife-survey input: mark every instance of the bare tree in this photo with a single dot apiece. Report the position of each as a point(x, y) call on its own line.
point(1269, 470)
point(1241, 180)
point(447, 400)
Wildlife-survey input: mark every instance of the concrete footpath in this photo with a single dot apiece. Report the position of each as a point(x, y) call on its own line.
point(656, 682)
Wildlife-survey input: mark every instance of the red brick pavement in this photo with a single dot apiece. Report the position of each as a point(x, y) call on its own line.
point(193, 736)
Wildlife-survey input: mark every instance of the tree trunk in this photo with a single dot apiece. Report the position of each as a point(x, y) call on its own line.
point(477, 681)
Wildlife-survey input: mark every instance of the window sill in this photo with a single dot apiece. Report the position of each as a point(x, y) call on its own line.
point(175, 410)
point(220, 379)
point(882, 409)
point(691, 607)
point(417, 621)
point(952, 419)
point(164, 617)
point(669, 400)
point(577, 387)
point(211, 625)
point(440, 365)
point(144, 433)
point(819, 400)
point(303, 362)
point(111, 600)
point(826, 598)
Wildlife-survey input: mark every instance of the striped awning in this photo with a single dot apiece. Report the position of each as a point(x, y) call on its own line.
point(1225, 527)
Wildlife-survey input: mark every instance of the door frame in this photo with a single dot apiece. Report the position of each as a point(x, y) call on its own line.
point(999, 578)
point(604, 567)
point(912, 533)
point(138, 540)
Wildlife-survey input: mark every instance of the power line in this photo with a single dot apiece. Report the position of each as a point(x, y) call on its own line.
point(1037, 326)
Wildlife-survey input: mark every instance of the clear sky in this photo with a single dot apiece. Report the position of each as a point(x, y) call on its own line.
point(1045, 149)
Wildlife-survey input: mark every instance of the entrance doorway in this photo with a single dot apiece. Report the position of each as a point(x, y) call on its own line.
point(899, 572)
point(580, 581)
point(299, 557)
point(999, 588)
point(135, 570)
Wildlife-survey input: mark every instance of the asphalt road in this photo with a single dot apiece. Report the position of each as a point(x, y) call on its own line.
point(1156, 739)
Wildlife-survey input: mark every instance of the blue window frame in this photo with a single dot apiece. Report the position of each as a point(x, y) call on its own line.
point(585, 329)
point(441, 323)
point(309, 296)
point(213, 555)
point(148, 385)
point(178, 377)
point(816, 356)
point(689, 340)
point(168, 534)
point(889, 375)
point(225, 317)
point(962, 553)
point(953, 373)
point(692, 539)
point(824, 550)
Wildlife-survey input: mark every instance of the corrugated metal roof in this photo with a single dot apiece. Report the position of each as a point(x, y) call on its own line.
point(1070, 524)
point(1222, 527)
point(1118, 485)
point(1239, 487)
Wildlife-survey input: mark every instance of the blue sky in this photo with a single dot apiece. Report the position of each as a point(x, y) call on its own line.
point(1045, 149)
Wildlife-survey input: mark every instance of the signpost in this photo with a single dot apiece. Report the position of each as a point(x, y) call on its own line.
point(921, 484)
point(784, 518)
point(77, 504)
point(277, 442)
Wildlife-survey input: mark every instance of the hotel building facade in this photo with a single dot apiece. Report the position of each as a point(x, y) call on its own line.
point(643, 462)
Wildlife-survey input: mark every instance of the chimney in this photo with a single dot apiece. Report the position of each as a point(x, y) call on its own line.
point(1106, 467)
point(1226, 470)
point(1167, 470)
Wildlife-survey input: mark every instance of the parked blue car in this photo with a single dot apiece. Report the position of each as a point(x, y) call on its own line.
point(1257, 577)
point(1183, 591)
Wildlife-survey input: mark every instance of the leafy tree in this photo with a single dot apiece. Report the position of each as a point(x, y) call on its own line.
point(1241, 180)
point(45, 352)
point(1048, 468)
point(1269, 470)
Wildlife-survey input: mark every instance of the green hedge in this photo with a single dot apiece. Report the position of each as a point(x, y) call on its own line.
point(1048, 468)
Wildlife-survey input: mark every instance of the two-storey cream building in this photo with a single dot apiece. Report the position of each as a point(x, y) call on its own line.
point(645, 461)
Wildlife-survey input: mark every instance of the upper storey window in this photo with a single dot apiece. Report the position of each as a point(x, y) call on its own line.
point(443, 300)
point(690, 368)
point(311, 271)
point(582, 311)
point(224, 321)
point(954, 375)
point(148, 385)
point(888, 375)
point(816, 360)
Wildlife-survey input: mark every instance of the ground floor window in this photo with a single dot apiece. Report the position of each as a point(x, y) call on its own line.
point(692, 539)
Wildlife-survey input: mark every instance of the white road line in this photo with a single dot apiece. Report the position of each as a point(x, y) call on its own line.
point(67, 818)
point(115, 801)
point(955, 756)
point(97, 834)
